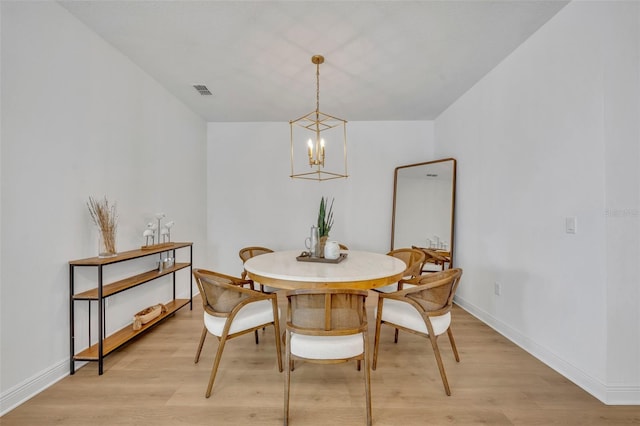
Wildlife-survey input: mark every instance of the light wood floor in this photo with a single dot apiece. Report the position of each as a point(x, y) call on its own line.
point(153, 381)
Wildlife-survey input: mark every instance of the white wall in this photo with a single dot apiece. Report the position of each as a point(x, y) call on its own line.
point(621, 110)
point(551, 133)
point(79, 120)
point(253, 201)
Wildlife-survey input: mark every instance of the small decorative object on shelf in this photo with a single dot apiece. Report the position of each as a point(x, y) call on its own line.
point(148, 234)
point(105, 218)
point(159, 217)
point(167, 234)
point(325, 222)
point(147, 315)
point(157, 235)
point(165, 262)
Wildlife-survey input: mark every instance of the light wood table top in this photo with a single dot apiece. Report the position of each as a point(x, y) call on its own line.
point(360, 270)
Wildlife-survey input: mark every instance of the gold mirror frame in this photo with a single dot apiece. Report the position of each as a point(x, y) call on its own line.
point(415, 221)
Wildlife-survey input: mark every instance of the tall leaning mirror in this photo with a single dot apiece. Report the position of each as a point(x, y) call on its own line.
point(424, 199)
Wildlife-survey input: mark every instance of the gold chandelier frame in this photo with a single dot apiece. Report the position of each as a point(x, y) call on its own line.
point(316, 123)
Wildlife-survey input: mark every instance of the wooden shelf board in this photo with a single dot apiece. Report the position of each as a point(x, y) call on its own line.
point(120, 337)
point(127, 255)
point(129, 282)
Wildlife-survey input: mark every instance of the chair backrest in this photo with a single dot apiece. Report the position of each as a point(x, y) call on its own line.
point(247, 253)
point(326, 312)
point(435, 292)
point(220, 293)
point(413, 258)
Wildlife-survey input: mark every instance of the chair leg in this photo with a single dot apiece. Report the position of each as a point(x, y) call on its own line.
point(367, 379)
point(255, 332)
point(436, 352)
point(286, 344)
point(216, 363)
point(278, 345)
point(287, 382)
point(376, 339)
point(395, 336)
point(202, 337)
point(261, 291)
point(453, 344)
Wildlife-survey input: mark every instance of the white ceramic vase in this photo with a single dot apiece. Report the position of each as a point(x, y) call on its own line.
point(331, 250)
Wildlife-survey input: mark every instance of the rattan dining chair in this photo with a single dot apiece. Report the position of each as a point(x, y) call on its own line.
point(247, 253)
point(326, 326)
point(423, 309)
point(230, 310)
point(413, 258)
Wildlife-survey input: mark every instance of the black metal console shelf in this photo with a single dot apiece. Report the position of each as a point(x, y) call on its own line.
point(107, 344)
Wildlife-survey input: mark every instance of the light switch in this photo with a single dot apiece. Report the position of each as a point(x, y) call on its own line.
point(571, 225)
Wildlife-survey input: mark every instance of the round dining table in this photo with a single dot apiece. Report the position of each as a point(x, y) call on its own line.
point(357, 270)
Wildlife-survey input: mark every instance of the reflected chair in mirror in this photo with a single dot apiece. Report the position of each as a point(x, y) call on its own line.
point(326, 326)
point(413, 258)
point(435, 261)
point(247, 253)
point(230, 310)
point(424, 309)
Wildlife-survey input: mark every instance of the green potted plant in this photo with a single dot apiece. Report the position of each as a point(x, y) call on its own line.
point(325, 222)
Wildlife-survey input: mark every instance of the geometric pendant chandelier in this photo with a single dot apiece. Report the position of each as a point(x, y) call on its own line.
point(320, 139)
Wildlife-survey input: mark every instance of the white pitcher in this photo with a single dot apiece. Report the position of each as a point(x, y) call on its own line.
point(311, 242)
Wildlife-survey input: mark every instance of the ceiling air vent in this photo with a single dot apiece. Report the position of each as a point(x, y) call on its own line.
point(202, 89)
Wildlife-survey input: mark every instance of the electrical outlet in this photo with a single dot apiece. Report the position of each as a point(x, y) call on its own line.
point(496, 288)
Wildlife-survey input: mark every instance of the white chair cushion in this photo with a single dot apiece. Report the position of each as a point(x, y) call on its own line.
point(393, 287)
point(268, 289)
point(388, 288)
point(405, 315)
point(327, 347)
point(251, 315)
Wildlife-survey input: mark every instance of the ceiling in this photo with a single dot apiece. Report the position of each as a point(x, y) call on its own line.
point(384, 60)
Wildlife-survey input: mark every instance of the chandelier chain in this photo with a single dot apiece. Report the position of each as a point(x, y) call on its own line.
point(317, 88)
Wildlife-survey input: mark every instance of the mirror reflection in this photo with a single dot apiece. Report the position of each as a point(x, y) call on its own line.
point(423, 209)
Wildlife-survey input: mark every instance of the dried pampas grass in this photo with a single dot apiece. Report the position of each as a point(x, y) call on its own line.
point(105, 218)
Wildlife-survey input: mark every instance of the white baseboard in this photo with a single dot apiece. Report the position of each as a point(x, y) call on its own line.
point(32, 386)
point(610, 395)
point(623, 395)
